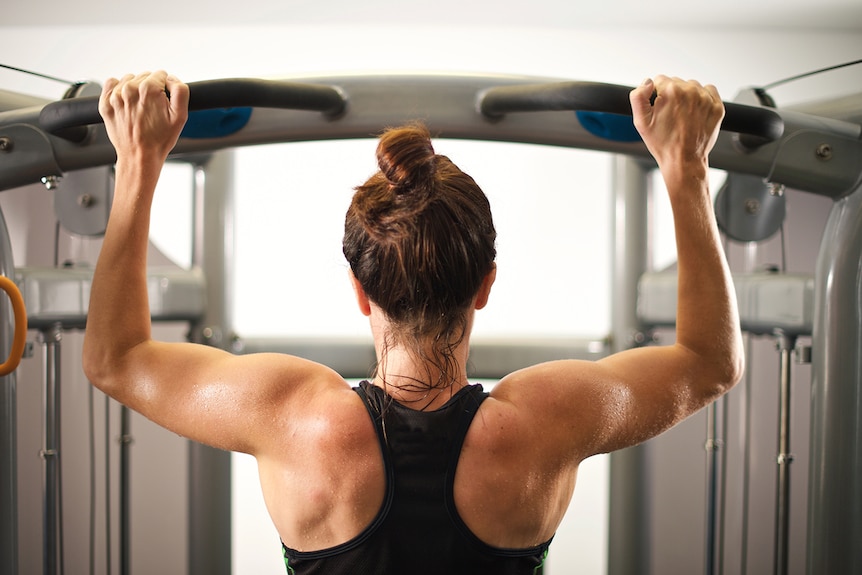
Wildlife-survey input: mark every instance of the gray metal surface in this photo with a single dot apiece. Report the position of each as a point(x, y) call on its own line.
point(489, 359)
point(82, 200)
point(8, 424)
point(768, 302)
point(629, 512)
point(210, 469)
point(62, 295)
point(16, 101)
point(835, 470)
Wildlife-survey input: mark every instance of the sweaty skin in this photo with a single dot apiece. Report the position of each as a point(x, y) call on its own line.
point(320, 465)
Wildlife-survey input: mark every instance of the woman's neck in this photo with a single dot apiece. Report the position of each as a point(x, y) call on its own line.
point(421, 378)
point(424, 377)
point(418, 382)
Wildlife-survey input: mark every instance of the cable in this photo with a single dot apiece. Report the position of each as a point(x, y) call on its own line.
point(783, 249)
point(812, 73)
point(37, 74)
point(57, 244)
point(61, 556)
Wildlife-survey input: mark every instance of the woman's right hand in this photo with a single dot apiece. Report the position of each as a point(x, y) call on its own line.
point(144, 114)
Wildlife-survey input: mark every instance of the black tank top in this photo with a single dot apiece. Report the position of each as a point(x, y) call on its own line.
point(418, 530)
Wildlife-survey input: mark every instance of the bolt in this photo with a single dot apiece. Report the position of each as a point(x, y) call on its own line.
point(6, 144)
point(776, 190)
point(752, 206)
point(85, 200)
point(50, 182)
point(824, 152)
point(713, 445)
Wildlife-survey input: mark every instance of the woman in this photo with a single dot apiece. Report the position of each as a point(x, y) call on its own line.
point(415, 471)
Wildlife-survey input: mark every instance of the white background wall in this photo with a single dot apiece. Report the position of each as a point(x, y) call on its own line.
point(731, 58)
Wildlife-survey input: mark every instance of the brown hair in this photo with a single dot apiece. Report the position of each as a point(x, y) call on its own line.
point(419, 238)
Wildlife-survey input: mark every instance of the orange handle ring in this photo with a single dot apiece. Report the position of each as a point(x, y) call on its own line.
point(19, 340)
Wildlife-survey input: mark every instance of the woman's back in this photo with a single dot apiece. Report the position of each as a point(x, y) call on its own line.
point(460, 506)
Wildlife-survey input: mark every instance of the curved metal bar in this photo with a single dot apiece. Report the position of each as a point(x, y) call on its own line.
point(762, 123)
point(69, 118)
point(814, 154)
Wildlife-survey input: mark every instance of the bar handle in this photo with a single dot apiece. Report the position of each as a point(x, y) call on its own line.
point(763, 124)
point(69, 118)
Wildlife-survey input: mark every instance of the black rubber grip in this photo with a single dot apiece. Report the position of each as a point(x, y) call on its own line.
point(69, 118)
point(762, 123)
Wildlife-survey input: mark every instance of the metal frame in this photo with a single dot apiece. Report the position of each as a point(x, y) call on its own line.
point(8, 423)
point(811, 153)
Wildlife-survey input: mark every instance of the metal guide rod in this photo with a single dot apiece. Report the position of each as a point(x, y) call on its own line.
point(716, 458)
point(51, 494)
point(125, 494)
point(782, 492)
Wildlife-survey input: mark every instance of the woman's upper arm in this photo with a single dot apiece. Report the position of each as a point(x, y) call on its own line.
point(622, 400)
point(206, 394)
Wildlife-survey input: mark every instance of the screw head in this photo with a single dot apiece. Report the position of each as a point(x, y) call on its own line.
point(6, 144)
point(752, 206)
point(824, 152)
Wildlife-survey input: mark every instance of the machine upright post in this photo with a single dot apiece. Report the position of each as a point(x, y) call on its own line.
point(125, 493)
point(209, 468)
point(8, 425)
point(835, 468)
point(628, 521)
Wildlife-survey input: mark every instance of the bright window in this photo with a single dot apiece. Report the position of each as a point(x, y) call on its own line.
point(551, 208)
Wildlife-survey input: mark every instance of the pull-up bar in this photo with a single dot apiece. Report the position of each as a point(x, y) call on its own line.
point(801, 151)
point(762, 123)
point(69, 118)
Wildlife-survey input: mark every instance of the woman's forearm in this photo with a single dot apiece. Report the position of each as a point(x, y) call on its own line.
point(707, 313)
point(679, 123)
point(118, 317)
point(143, 123)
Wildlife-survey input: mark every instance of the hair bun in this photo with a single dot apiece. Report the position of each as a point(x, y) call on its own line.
point(406, 157)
